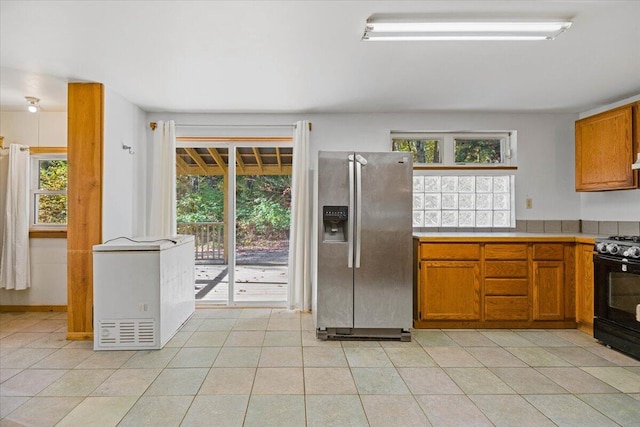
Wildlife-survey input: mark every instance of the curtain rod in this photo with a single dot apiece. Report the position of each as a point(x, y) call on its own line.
point(153, 126)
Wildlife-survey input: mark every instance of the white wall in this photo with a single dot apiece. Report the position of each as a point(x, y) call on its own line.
point(48, 256)
point(36, 130)
point(124, 123)
point(48, 275)
point(623, 205)
point(545, 145)
point(123, 178)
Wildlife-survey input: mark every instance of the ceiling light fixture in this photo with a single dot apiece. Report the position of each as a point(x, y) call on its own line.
point(33, 104)
point(378, 29)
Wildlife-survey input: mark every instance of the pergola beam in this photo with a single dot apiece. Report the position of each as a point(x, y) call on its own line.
point(218, 158)
point(250, 162)
point(196, 158)
point(240, 163)
point(183, 168)
point(256, 152)
point(278, 158)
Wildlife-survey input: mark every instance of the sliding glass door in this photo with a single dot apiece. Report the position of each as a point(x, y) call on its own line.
point(234, 197)
point(263, 212)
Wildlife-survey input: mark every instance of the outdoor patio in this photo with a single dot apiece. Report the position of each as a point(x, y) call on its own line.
point(254, 283)
point(261, 267)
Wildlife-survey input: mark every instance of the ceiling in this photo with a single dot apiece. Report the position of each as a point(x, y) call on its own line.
point(307, 57)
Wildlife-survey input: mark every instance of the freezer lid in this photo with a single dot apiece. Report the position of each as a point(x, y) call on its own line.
point(120, 244)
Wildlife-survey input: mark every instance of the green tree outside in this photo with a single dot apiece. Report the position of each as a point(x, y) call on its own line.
point(52, 208)
point(423, 150)
point(477, 151)
point(263, 204)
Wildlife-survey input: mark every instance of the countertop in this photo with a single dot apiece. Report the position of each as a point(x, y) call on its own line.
point(508, 236)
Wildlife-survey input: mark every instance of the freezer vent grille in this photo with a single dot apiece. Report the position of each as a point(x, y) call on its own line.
point(127, 332)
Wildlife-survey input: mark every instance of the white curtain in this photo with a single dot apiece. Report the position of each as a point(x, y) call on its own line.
point(161, 221)
point(4, 170)
point(14, 263)
point(300, 234)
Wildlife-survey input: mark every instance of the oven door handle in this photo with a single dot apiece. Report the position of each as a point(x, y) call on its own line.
point(614, 264)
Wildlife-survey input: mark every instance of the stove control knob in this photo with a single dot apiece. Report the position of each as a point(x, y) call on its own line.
point(633, 252)
point(613, 248)
point(601, 248)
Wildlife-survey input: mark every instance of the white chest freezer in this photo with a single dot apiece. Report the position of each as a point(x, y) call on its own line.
point(143, 291)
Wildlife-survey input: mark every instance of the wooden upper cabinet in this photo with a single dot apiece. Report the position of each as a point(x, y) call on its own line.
point(605, 150)
point(636, 137)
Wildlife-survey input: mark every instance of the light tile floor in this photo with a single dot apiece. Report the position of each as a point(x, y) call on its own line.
point(264, 367)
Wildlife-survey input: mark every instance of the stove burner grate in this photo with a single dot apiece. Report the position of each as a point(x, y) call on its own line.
point(635, 239)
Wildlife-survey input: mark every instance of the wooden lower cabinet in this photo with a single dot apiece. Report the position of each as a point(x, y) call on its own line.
point(495, 285)
point(548, 290)
point(506, 308)
point(584, 287)
point(506, 282)
point(449, 290)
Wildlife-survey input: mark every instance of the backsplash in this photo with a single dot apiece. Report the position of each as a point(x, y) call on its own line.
point(612, 228)
point(609, 228)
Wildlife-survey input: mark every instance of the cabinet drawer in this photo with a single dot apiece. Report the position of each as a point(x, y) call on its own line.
point(505, 251)
point(457, 251)
point(506, 287)
point(506, 269)
point(550, 251)
point(506, 308)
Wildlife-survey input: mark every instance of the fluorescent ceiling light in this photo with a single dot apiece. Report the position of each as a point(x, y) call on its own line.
point(382, 30)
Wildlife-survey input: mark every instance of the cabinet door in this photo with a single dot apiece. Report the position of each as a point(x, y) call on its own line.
point(548, 290)
point(604, 151)
point(584, 285)
point(449, 290)
point(636, 137)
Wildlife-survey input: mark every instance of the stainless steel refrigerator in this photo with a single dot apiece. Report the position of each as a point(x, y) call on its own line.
point(364, 281)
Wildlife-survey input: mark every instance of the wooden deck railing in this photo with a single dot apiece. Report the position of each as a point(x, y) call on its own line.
point(209, 238)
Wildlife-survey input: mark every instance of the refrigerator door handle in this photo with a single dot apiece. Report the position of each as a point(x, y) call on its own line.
point(351, 213)
point(358, 210)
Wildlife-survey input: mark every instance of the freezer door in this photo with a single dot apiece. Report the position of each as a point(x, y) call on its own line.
point(335, 277)
point(383, 293)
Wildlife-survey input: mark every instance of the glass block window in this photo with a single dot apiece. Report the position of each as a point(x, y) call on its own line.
point(473, 201)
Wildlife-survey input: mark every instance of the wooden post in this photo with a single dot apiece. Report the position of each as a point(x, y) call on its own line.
point(85, 138)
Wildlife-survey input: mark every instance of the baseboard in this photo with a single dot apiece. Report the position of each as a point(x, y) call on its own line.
point(80, 336)
point(501, 324)
point(56, 308)
point(587, 328)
